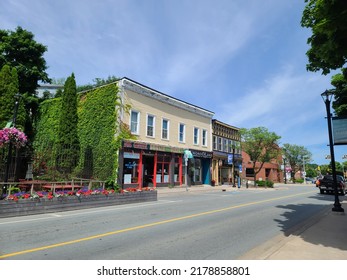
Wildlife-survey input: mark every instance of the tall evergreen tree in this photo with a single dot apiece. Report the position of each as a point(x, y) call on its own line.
point(8, 90)
point(68, 142)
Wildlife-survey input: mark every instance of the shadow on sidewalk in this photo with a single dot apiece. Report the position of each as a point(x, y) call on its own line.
point(323, 227)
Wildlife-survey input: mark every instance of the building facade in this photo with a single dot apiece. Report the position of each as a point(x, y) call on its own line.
point(227, 158)
point(270, 171)
point(173, 143)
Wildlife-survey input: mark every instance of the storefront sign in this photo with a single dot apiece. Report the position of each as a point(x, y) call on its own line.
point(152, 147)
point(168, 149)
point(201, 154)
point(131, 155)
point(230, 159)
point(340, 131)
point(136, 145)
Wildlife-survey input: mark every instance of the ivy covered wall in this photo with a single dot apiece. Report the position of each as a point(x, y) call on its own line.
point(97, 125)
point(46, 139)
point(99, 132)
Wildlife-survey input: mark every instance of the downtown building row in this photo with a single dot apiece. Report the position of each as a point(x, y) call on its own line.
point(177, 143)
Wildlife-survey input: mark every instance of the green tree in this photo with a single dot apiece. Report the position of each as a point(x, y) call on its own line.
point(19, 50)
point(328, 42)
point(261, 145)
point(8, 90)
point(97, 83)
point(296, 156)
point(68, 143)
point(339, 81)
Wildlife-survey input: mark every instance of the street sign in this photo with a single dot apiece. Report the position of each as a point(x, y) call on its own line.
point(230, 159)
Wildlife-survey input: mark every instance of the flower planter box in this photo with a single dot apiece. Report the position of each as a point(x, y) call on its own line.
point(24, 207)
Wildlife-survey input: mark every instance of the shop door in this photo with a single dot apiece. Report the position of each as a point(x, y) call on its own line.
point(148, 170)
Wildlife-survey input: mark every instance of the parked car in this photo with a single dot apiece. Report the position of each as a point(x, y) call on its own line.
point(326, 184)
point(310, 180)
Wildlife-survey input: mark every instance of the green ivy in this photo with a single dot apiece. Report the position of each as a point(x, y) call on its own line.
point(46, 137)
point(99, 131)
point(96, 129)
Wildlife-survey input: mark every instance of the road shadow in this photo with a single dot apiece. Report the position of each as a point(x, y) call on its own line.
point(323, 227)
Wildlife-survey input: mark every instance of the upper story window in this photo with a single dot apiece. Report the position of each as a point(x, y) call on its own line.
point(150, 125)
point(225, 145)
point(196, 136)
point(182, 132)
point(204, 137)
point(214, 139)
point(230, 146)
point(165, 129)
point(220, 144)
point(134, 122)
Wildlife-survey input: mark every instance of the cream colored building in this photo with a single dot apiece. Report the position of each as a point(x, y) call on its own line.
point(170, 132)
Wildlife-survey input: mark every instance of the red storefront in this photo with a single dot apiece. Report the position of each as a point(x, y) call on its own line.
point(146, 164)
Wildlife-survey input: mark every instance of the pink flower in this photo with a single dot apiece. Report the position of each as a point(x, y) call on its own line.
point(13, 135)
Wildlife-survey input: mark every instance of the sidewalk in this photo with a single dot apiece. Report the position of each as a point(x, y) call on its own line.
point(322, 237)
point(205, 188)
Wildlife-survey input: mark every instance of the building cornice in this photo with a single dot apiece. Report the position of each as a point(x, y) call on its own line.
point(131, 85)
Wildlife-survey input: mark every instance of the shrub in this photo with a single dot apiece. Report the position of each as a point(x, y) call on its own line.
point(266, 183)
point(299, 181)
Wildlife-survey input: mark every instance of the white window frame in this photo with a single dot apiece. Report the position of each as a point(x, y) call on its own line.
point(230, 146)
point(183, 133)
point(204, 137)
point(196, 135)
point(215, 144)
point(225, 145)
point(219, 144)
point(137, 132)
point(167, 129)
point(153, 126)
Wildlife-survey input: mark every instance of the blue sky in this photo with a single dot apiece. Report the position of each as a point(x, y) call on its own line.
point(242, 59)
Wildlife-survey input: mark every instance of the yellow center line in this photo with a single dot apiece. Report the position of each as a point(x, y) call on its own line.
point(145, 226)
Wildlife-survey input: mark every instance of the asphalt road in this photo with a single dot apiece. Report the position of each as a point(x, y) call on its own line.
point(212, 225)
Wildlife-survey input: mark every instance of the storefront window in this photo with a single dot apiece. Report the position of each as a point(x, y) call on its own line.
point(163, 166)
point(197, 170)
point(130, 168)
point(249, 172)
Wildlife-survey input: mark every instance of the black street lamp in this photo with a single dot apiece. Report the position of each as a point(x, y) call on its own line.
point(234, 185)
point(13, 124)
point(327, 96)
point(284, 170)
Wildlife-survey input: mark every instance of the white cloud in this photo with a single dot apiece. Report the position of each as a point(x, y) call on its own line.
point(287, 101)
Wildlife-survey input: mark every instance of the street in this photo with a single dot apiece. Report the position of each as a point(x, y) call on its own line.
point(215, 225)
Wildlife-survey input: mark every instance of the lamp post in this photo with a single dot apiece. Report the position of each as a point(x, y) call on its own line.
point(13, 124)
point(10, 146)
point(304, 173)
point(327, 96)
point(234, 185)
point(284, 169)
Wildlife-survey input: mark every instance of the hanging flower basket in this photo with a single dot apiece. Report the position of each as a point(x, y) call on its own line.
point(14, 136)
